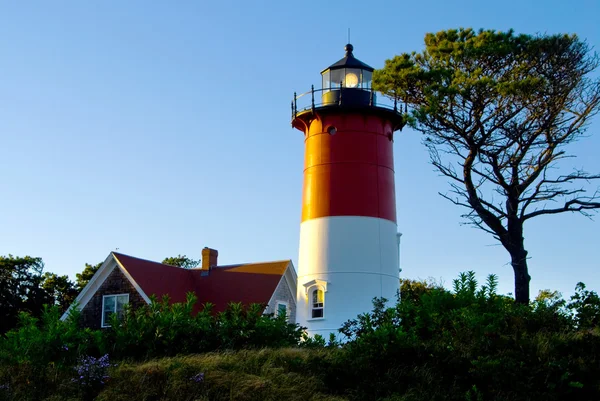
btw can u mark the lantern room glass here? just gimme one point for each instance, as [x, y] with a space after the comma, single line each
[354, 78]
[367, 78]
[326, 81]
[337, 77]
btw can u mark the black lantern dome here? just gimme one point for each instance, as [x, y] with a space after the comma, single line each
[348, 72]
[350, 78]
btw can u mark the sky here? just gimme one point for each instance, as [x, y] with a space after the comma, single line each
[159, 128]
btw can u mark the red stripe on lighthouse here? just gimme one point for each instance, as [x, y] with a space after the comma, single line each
[350, 173]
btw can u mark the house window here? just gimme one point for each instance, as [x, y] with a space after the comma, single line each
[113, 304]
[317, 303]
[282, 309]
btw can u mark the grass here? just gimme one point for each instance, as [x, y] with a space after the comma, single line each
[249, 375]
[564, 366]
[265, 375]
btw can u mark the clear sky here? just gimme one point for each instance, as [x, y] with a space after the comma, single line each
[158, 128]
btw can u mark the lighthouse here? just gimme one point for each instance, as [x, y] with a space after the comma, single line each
[348, 233]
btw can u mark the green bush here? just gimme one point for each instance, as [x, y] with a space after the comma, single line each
[38, 356]
[48, 340]
[163, 329]
[469, 343]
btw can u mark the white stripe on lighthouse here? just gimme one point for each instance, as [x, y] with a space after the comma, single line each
[358, 259]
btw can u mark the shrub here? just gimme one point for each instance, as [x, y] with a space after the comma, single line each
[164, 329]
[469, 343]
[48, 340]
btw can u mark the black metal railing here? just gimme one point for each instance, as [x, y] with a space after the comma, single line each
[302, 102]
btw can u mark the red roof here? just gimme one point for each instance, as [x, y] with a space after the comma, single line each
[245, 283]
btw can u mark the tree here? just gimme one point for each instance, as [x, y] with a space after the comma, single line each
[414, 289]
[20, 289]
[181, 261]
[497, 111]
[83, 278]
[586, 306]
[60, 289]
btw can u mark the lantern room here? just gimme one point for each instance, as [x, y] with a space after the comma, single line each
[348, 72]
[348, 85]
[350, 79]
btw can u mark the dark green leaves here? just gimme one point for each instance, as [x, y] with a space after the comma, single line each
[181, 261]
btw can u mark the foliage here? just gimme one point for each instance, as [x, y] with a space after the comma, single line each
[497, 111]
[586, 306]
[40, 357]
[48, 340]
[468, 343]
[24, 287]
[413, 289]
[164, 329]
[83, 278]
[60, 289]
[318, 341]
[20, 289]
[37, 357]
[181, 261]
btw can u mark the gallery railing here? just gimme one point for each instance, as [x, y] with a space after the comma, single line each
[341, 96]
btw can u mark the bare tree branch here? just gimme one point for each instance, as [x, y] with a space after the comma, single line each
[574, 205]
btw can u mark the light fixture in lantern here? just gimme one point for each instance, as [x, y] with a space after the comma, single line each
[351, 80]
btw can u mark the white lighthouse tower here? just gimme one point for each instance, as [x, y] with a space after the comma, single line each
[348, 235]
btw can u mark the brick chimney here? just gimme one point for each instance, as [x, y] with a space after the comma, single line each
[209, 258]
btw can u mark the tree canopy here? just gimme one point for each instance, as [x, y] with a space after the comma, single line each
[497, 111]
[86, 275]
[20, 290]
[181, 261]
[60, 289]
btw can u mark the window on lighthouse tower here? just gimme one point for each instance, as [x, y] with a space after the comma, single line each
[318, 302]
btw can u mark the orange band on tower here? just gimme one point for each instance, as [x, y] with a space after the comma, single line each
[350, 173]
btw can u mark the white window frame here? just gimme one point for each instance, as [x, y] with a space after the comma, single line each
[103, 323]
[309, 288]
[287, 308]
[311, 304]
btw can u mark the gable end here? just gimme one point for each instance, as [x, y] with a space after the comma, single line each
[97, 281]
[115, 283]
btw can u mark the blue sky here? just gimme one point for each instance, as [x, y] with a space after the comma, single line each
[159, 128]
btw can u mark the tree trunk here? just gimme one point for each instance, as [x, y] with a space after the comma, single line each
[522, 278]
[515, 245]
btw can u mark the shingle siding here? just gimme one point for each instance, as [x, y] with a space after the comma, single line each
[115, 283]
[283, 293]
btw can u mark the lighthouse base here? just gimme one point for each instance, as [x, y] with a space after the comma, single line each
[352, 259]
